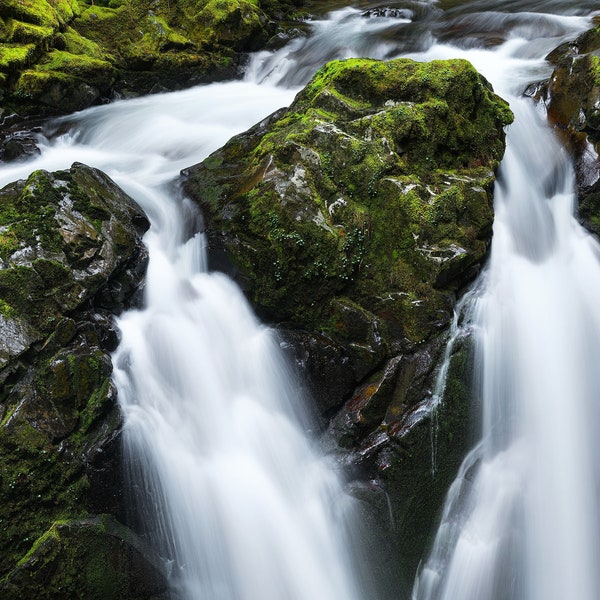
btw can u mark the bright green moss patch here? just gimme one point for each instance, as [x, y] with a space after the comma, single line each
[14, 57]
[92, 70]
[26, 33]
[38, 12]
[6, 310]
[77, 44]
[150, 43]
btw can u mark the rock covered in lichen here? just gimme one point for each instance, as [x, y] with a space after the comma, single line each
[70, 256]
[353, 219]
[367, 200]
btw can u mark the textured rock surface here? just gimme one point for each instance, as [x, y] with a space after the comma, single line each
[572, 99]
[58, 56]
[70, 255]
[360, 209]
[353, 219]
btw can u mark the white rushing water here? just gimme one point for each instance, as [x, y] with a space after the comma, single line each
[232, 492]
[521, 519]
[239, 503]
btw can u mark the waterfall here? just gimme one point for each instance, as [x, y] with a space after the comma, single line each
[237, 499]
[521, 519]
[236, 496]
[232, 492]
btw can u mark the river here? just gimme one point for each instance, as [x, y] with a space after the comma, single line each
[240, 502]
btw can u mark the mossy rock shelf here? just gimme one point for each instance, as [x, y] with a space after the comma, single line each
[59, 56]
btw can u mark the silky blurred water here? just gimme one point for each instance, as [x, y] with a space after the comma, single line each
[233, 493]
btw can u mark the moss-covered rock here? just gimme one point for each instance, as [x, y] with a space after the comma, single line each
[57, 56]
[45, 13]
[63, 236]
[572, 98]
[90, 558]
[368, 200]
[353, 219]
[70, 254]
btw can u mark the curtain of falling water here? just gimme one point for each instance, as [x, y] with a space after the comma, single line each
[521, 520]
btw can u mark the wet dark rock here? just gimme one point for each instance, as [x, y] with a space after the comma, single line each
[21, 144]
[332, 378]
[572, 99]
[86, 558]
[352, 220]
[388, 12]
[71, 256]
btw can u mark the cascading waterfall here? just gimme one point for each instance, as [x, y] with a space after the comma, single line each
[238, 502]
[233, 495]
[239, 499]
[225, 479]
[521, 519]
[227, 486]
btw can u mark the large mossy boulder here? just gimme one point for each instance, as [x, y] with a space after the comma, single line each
[70, 256]
[58, 56]
[368, 199]
[572, 98]
[354, 219]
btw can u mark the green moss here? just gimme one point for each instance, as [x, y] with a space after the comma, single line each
[37, 12]
[373, 185]
[14, 57]
[47, 13]
[32, 84]
[65, 9]
[594, 70]
[6, 310]
[77, 44]
[27, 33]
[89, 69]
[98, 404]
[95, 558]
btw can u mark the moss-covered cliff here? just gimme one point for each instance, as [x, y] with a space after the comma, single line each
[70, 256]
[58, 56]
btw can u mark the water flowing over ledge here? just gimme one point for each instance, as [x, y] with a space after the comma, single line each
[520, 520]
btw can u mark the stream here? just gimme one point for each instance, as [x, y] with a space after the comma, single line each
[238, 500]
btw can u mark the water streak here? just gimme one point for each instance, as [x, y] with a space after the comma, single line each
[520, 520]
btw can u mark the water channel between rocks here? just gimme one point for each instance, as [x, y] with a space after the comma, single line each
[243, 505]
